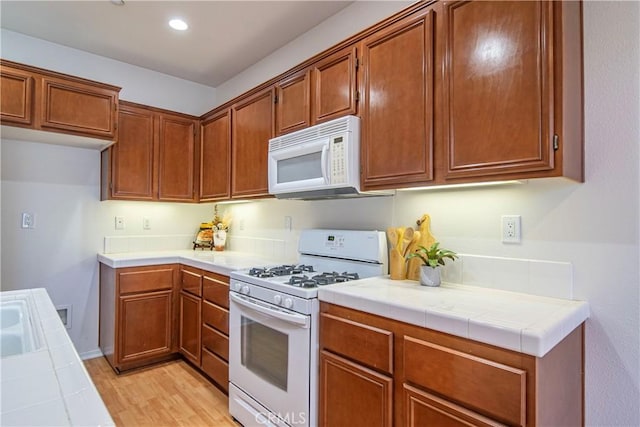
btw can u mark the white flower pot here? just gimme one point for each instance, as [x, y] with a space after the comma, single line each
[429, 276]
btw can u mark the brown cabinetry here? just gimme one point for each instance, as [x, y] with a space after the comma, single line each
[397, 104]
[293, 111]
[137, 314]
[44, 100]
[154, 158]
[215, 157]
[204, 322]
[402, 374]
[253, 126]
[499, 99]
[334, 91]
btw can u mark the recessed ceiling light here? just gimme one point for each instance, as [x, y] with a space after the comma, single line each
[118, 2]
[178, 24]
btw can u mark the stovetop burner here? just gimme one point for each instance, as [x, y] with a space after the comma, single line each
[321, 279]
[280, 270]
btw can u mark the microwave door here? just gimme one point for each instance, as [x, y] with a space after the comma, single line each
[299, 167]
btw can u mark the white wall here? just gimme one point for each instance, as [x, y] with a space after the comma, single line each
[138, 84]
[61, 186]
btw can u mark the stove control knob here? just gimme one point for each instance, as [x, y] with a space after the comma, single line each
[288, 302]
[245, 290]
[277, 299]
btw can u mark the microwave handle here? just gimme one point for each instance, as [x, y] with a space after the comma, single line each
[323, 163]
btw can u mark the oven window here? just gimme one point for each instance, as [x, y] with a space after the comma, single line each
[265, 352]
[307, 166]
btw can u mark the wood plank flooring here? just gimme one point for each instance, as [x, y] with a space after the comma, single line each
[168, 394]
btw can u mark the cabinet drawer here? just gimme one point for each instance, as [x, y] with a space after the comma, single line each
[145, 280]
[483, 385]
[216, 317]
[216, 289]
[191, 281]
[216, 368]
[215, 342]
[366, 344]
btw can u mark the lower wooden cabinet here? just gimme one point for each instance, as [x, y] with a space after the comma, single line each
[137, 314]
[204, 322]
[353, 395]
[405, 375]
[190, 327]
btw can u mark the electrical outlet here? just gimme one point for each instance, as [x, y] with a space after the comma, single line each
[241, 224]
[511, 229]
[287, 223]
[28, 220]
[119, 223]
[146, 223]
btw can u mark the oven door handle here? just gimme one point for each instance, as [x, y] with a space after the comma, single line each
[294, 318]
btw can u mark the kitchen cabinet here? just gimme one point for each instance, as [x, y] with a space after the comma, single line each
[155, 156]
[190, 313]
[137, 314]
[293, 111]
[502, 88]
[407, 375]
[16, 96]
[45, 100]
[215, 328]
[357, 360]
[252, 127]
[215, 157]
[204, 322]
[334, 90]
[397, 99]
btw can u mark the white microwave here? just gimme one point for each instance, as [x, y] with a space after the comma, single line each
[321, 161]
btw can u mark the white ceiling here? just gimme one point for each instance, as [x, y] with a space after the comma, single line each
[224, 37]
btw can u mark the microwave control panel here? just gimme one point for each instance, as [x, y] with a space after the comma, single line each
[338, 160]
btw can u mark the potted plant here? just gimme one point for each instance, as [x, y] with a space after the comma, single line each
[220, 228]
[432, 258]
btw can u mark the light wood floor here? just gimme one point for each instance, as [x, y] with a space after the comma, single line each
[168, 394]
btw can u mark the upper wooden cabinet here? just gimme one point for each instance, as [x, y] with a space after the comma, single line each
[154, 158]
[333, 90]
[293, 110]
[16, 96]
[215, 157]
[501, 70]
[397, 104]
[176, 157]
[253, 126]
[44, 100]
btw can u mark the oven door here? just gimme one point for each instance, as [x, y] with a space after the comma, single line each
[269, 357]
[299, 167]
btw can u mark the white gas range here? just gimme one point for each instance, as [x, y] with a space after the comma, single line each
[273, 333]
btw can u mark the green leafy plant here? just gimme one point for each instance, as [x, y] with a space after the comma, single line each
[434, 256]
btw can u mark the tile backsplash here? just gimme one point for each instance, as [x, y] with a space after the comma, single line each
[537, 277]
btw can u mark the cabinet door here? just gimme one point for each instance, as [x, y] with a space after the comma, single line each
[16, 96]
[176, 159]
[498, 87]
[252, 128]
[190, 327]
[293, 111]
[132, 157]
[397, 104]
[78, 108]
[424, 409]
[215, 157]
[352, 395]
[334, 85]
[145, 325]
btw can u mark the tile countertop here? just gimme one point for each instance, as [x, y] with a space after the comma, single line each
[48, 386]
[223, 262]
[521, 322]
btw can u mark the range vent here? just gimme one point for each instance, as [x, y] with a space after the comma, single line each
[324, 130]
